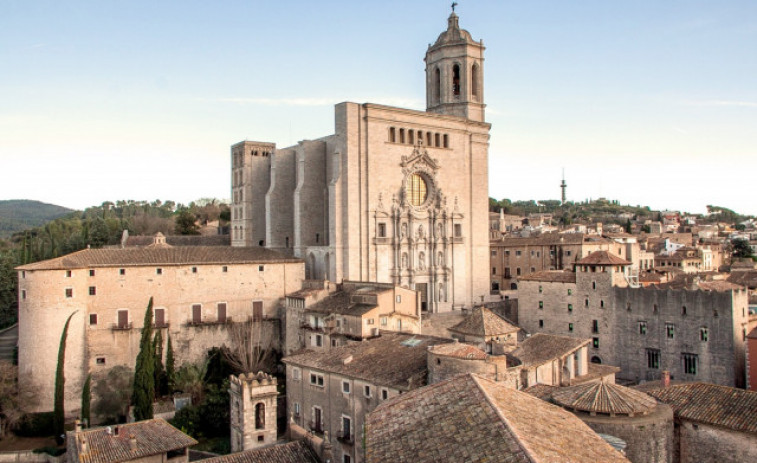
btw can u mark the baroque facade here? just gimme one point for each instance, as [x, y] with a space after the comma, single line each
[393, 196]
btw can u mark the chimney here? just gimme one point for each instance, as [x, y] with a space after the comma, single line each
[665, 379]
[132, 442]
[83, 446]
[77, 426]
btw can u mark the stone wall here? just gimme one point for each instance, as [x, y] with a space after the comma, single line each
[702, 443]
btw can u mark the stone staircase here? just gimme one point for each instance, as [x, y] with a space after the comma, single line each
[8, 341]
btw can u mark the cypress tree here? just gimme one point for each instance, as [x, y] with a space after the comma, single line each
[159, 371]
[143, 392]
[170, 366]
[86, 400]
[60, 383]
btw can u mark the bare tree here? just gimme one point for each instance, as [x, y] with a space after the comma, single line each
[10, 403]
[251, 347]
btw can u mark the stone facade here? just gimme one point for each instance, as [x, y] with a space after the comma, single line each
[108, 291]
[696, 334]
[704, 443]
[253, 411]
[393, 196]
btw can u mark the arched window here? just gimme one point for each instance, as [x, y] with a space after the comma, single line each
[513, 286]
[392, 135]
[596, 359]
[260, 415]
[456, 80]
[474, 80]
[437, 86]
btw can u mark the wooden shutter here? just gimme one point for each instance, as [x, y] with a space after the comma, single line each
[221, 312]
[196, 313]
[160, 317]
[123, 319]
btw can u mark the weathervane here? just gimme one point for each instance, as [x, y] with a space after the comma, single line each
[454, 4]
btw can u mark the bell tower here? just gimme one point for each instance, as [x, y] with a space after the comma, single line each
[455, 73]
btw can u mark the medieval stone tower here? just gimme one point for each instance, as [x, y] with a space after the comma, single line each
[455, 74]
[253, 411]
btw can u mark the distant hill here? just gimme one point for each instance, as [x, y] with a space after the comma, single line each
[21, 214]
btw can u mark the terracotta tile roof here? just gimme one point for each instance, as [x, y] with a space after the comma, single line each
[341, 303]
[724, 406]
[459, 350]
[541, 391]
[153, 437]
[602, 258]
[545, 239]
[692, 282]
[541, 348]
[483, 322]
[746, 278]
[472, 419]
[553, 276]
[604, 398]
[396, 360]
[291, 452]
[595, 371]
[181, 240]
[180, 255]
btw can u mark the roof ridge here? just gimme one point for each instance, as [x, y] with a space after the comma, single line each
[507, 423]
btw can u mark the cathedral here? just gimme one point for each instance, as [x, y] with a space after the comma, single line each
[394, 195]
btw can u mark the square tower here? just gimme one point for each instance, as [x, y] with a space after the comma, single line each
[253, 411]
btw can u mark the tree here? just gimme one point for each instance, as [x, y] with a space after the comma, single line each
[86, 400]
[10, 407]
[186, 223]
[143, 391]
[628, 226]
[159, 371]
[59, 418]
[113, 393]
[741, 248]
[190, 379]
[251, 347]
[170, 367]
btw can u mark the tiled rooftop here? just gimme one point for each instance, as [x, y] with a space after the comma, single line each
[292, 452]
[472, 419]
[153, 437]
[340, 303]
[396, 360]
[604, 398]
[484, 322]
[459, 350]
[724, 406]
[602, 258]
[180, 255]
[553, 276]
[541, 348]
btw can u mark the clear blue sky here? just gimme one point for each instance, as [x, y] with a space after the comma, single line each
[644, 101]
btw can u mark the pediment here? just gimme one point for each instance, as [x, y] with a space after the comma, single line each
[419, 158]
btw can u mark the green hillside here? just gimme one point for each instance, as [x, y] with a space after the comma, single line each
[22, 214]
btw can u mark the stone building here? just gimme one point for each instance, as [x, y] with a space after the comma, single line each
[394, 195]
[252, 411]
[470, 418]
[198, 293]
[697, 333]
[149, 441]
[714, 424]
[332, 391]
[350, 312]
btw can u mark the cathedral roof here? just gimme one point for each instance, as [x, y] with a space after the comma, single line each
[470, 418]
[453, 34]
[604, 398]
[483, 322]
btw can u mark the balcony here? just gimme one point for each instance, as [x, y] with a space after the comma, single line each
[345, 437]
[225, 321]
[121, 326]
[161, 325]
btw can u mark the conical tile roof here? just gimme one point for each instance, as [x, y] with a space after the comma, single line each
[604, 398]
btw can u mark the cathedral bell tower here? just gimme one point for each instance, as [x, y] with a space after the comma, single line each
[455, 73]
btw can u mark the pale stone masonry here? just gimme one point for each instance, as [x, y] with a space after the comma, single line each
[253, 411]
[393, 196]
[697, 333]
[197, 291]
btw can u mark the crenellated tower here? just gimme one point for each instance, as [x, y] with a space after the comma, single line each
[253, 411]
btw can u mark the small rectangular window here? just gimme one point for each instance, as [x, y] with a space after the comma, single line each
[23, 294]
[595, 343]
[642, 327]
[494, 253]
[570, 307]
[570, 327]
[367, 391]
[100, 360]
[704, 334]
[159, 271]
[384, 394]
[92, 291]
[595, 326]
[541, 304]
[68, 273]
[690, 363]
[93, 319]
[570, 291]
[398, 299]
[346, 387]
[122, 271]
[670, 330]
[296, 374]
[458, 230]
[384, 321]
[261, 268]
[541, 323]
[494, 270]
[69, 292]
[541, 289]
[194, 269]
[224, 269]
[316, 379]
[653, 359]
[91, 273]
[382, 230]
